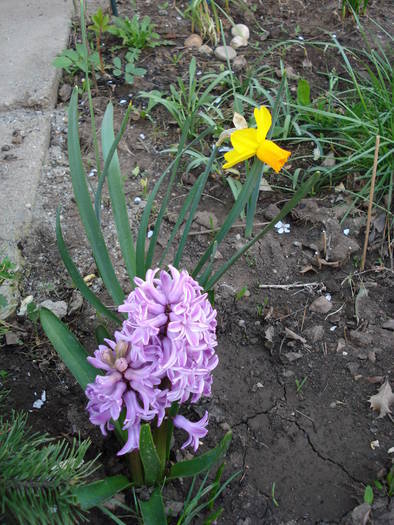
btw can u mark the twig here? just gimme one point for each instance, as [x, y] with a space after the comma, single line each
[214, 230]
[289, 286]
[371, 192]
[336, 311]
[302, 414]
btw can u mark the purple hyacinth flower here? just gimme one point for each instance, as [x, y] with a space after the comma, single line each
[163, 353]
[195, 430]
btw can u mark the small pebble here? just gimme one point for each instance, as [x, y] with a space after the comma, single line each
[123, 102]
[137, 200]
[149, 234]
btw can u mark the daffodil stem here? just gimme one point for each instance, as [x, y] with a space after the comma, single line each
[252, 204]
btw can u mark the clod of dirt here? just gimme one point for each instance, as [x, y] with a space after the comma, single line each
[239, 63]
[225, 53]
[361, 338]
[205, 50]
[388, 325]
[193, 40]
[11, 338]
[360, 515]
[271, 212]
[76, 302]
[65, 92]
[206, 219]
[320, 305]
[59, 308]
[383, 400]
[314, 334]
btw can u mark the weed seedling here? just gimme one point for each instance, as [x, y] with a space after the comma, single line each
[135, 33]
[100, 25]
[274, 500]
[300, 384]
[241, 293]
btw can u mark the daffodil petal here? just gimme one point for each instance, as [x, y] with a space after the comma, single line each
[263, 121]
[245, 140]
[272, 155]
[234, 157]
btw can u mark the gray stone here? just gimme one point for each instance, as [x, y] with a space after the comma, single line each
[206, 219]
[225, 53]
[59, 308]
[76, 302]
[271, 212]
[360, 515]
[321, 305]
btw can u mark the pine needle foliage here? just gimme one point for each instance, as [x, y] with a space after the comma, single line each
[38, 475]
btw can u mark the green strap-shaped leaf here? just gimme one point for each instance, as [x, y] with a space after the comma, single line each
[68, 347]
[201, 463]
[149, 456]
[85, 207]
[94, 494]
[77, 277]
[101, 333]
[116, 192]
[153, 512]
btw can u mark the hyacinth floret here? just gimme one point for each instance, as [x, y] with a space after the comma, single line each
[164, 353]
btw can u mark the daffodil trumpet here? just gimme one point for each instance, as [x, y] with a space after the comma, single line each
[252, 142]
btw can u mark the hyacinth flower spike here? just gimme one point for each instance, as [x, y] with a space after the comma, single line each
[250, 142]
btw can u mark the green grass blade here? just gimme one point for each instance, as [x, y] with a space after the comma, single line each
[85, 207]
[303, 190]
[68, 347]
[77, 277]
[115, 186]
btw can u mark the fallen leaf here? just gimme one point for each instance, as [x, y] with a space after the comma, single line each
[383, 399]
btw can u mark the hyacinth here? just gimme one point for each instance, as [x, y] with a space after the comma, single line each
[165, 352]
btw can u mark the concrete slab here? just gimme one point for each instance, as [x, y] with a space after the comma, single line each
[32, 33]
[24, 139]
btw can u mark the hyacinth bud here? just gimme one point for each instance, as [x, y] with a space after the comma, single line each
[107, 357]
[121, 348]
[121, 364]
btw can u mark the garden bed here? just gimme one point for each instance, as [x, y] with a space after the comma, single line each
[295, 375]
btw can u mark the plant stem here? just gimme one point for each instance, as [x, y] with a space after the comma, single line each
[371, 192]
[160, 440]
[98, 45]
[251, 207]
[135, 467]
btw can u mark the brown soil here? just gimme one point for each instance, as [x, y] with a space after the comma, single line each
[314, 444]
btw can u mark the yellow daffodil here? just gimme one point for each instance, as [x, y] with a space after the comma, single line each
[249, 142]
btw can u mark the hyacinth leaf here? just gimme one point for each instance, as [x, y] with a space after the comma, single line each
[115, 187]
[164, 204]
[303, 190]
[153, 511]
[77, 277]
[174, 409]
[192, 467]
[193, 208]
[85, 207]
[149, 457]
[101, 333]
[68, 347]
[235, 211]
[96, 493]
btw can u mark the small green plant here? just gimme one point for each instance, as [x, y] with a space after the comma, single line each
[241, 293]
[130, 70]
[99, 26]
[368, 495]
[135, 33]
[300, 384]
[73, 60]
[354, 6]
[274, 500]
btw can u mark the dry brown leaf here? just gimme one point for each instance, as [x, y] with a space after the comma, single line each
[383, 400]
